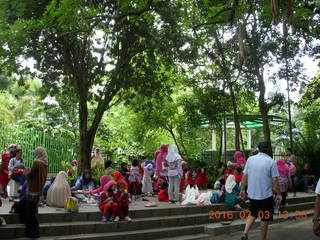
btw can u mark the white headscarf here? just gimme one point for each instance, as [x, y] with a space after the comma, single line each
[173, 154]
[230, 183]
[59, 191]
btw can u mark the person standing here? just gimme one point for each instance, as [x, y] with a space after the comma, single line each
[292, 162]
[315, 220]
[260, 174]
[16, 167]
[36, 179]
[174, 173]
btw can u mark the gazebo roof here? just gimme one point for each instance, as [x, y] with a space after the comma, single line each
[250, 120]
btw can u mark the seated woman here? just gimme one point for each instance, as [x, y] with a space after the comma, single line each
[84, 184]
[59, 191]
[46, 188]
[232, 197]
[16, 167]
[307, 177]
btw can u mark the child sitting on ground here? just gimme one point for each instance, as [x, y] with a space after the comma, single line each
[163, 192]
[107, 203]
[199, 178]
[124, 200]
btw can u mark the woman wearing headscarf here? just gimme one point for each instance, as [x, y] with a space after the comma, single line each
[85, 183]
[240, 160]
[117, 176]
[103, 181]
[33, 190]
[59, 191]
[161, 162]
[174, 173]
[232, 197]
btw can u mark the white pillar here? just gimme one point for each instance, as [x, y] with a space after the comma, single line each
[249, 145]
[214, 141]
[223, 146]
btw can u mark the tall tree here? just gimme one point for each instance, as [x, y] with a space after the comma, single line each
[98, 48]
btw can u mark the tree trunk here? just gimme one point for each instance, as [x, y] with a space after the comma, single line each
[236, 120]
[85, 140]
[264, 113]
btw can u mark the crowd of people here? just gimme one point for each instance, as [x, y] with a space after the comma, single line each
[167, 176]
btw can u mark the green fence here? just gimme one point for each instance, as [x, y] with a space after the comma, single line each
[58, 148]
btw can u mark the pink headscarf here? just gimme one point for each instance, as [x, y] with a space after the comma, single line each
[108, 185]
[103, 181]
[240, 161]
[282, 168]
[161, 157]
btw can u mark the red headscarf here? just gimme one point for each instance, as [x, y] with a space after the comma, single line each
[117, 176]
[161, 157]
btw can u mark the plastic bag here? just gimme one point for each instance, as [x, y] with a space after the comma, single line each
[190, 196]
[204, 198]
[71, 205]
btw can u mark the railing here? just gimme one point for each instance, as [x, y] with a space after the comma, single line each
[58, 148]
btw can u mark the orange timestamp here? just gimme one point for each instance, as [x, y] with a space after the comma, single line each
[302, 215]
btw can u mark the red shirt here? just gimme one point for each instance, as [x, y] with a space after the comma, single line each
[238, 177]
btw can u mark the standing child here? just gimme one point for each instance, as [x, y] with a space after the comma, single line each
[4, 174]
[205, 178]
[147, 180]
[189, 177]
[124, 201]
[134, 178]
[284, 179]
[107, 204]
[199, 178]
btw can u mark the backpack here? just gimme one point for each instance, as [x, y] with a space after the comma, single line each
[71, 205]
[214, 198]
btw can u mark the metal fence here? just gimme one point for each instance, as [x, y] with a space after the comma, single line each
[58, 148]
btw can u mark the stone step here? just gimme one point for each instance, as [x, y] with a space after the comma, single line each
[145, 234]
[94, 226]
[202, 236]
[63, 216]
[216, 229]
[134, 214]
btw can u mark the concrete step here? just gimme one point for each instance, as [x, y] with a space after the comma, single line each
[145, 234]
[63, 216]
[216, 229]
[94, 226]
[134, 214]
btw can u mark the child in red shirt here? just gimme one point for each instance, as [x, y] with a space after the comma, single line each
[108, 202]
[205, 178]
[189, 177]
[124, 200]
[4, 174]
[229, 170]
[199, 178]
[238, 174]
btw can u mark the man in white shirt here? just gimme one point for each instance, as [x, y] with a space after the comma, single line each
[260, 175]
[315, 220]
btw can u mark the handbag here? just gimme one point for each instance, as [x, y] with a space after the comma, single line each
[71, 205]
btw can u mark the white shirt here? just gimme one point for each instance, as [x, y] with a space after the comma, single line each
[260, 169]
[318, 188]
[13, 163]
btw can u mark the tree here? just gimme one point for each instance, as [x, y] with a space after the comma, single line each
[100, 49]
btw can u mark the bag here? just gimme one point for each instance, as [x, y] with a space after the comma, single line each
[215, 198]
[32, 196]
[71, 205]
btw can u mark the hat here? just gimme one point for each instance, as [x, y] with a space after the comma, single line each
[6, 155]
[229, 163]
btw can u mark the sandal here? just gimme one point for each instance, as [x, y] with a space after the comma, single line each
[244, 236]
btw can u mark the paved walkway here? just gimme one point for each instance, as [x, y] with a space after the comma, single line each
[139, 204]
[292, 229]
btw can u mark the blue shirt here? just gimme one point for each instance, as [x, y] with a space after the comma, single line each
[260, 169]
